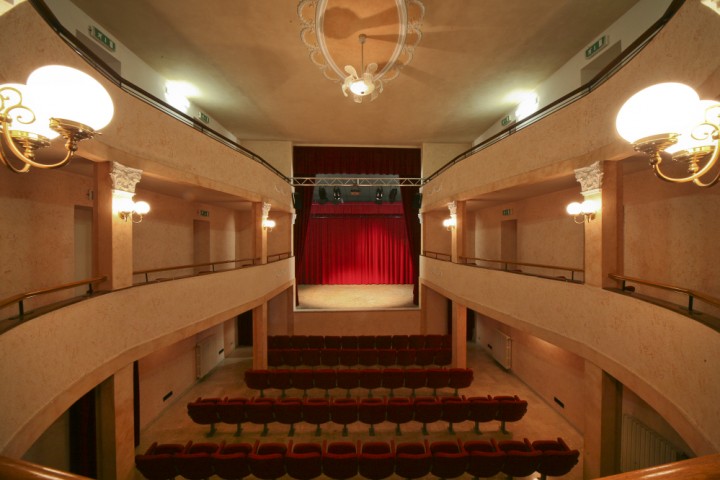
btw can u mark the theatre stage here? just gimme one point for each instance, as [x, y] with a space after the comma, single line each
[354, 296]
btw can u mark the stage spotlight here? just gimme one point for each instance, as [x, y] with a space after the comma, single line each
[393, 195]
[378, 195]
[337, 195]
[323, 195]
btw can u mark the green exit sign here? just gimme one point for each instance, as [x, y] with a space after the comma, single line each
[204, 213]
[507, 211]
[506, 120]
[102, 38]
[599, 44]
[203, 117]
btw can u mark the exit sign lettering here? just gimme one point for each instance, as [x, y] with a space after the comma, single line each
[102, 38]
[599, 44]
[507, 211]
[204, 213]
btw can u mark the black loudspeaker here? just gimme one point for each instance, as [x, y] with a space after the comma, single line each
[297, 201]
[417, 202]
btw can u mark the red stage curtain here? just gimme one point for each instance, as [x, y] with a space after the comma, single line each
[356, 250]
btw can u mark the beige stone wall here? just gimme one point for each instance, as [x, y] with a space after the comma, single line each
[35, 257]
[436, 155]
[277, 153]
[91, 340]
[669, 360]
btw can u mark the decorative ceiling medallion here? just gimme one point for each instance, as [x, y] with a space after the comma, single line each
[330, 33]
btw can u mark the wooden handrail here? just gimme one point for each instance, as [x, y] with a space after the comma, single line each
[11, 468]
[692, 294]
[525, 264]
[21, 297]
[279, 256]
[435, 255]
[195, 265]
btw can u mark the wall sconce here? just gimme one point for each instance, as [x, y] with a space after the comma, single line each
[670, 120]
[451, 223]
[583, 212]
[266, 223]
[127, 209]
[56, 101]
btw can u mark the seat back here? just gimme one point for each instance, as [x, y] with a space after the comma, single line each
[267, 462]
[376, 460]
[412, 459]
[303, 461]
[230, 461]
[449, 459]
[340, 460]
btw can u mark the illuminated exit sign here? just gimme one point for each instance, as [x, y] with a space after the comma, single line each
[507, 212]
[599, 44]
[98, 35]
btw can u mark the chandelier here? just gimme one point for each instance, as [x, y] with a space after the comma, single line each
[362, 86]
[56, 101]
[668, 120]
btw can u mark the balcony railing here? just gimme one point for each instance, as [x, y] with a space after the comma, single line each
[513, 267]
[20, 298]
[198, 269]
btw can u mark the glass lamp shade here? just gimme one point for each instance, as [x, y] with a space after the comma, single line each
[123, 203]
[142, 207]
[702, 133]
[574, 208]
[589, 206]
[267, 223]
[362, 86]
[665, 108]
[70, 94]
[19, 116]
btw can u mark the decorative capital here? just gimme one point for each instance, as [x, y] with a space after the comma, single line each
[266, 210]
[590, 177]
[124, 178]
[452, 206]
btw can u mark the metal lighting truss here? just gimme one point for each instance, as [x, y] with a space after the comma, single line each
[356, 182]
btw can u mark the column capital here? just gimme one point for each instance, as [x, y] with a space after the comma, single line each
[590, 178]
[124, 178]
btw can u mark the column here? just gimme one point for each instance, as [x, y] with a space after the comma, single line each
[602, 182]
[113, 235]
[260, 330]
[459, 335]
[116, 432]
[603, 417]
[260, 212]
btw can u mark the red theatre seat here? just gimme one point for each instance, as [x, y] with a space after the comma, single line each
[340, 460]
[460, 378]
[288, 411]
[370, 379]
[302, 379]
[383, 342]
[400, 342]
[157, 463]
[366, 342]
[231, 462]
[368, 357]
[260, 411]
[299, 341]
[267, 461]
[195, 462]
[399, 411]
[416, 342]
[280, 379]
[521, 459]
[311, 357]
[485, 459]
[316, 411]
[393, 378]
[413, 459]
[454, 410]
[344, 411]
[557, 458]
[316, 342]
[415, 378]
[330, 357]
[427, 410]
[481, 410]
[325, 379]
[332, 341]
[232, 412]
[349, 342]
[257, 380]
[349, 357]
[203, 411]
[387, 357]
[510, 409]
[303, 461]
[348, 379]
[376, 460]
[449, 459]
[437, 378]
[372, 411]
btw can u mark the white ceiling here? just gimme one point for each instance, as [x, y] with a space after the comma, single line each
[256, 78]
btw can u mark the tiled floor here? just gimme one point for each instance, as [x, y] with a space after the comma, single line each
[540, 422]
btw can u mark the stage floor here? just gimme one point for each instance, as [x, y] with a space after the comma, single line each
[355, 296]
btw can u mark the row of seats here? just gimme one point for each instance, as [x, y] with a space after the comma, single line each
[368, 378]
[342, 460]
[344, 411]
[350, 357]
[397, 342]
